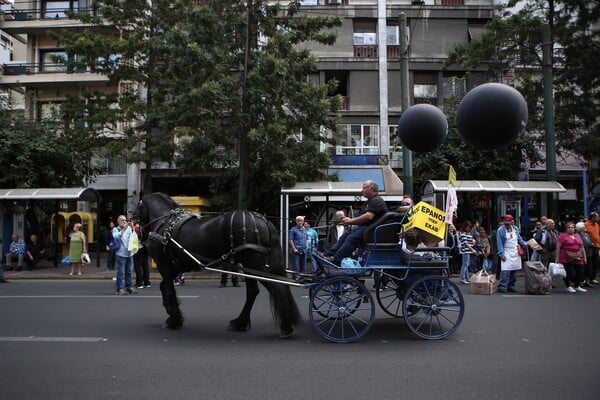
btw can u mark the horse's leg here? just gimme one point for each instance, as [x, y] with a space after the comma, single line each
[242, 322]
[285, 309]
[171, 303]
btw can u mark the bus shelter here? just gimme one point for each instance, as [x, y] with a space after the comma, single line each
[57, 195]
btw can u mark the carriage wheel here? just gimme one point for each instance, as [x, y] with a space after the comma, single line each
[390, 293]
[433, 307]
[341, 309]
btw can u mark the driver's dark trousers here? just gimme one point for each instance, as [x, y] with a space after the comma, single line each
[351, 242]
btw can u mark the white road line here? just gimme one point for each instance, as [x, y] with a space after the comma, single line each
[62, 296]
[52, 339]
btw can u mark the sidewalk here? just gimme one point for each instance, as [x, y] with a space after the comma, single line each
[46, 270]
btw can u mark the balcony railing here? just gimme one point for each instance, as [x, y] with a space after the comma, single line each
[43, 14]
[371, 51]
[34, 68]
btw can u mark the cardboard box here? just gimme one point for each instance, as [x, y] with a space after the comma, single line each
[483, 283]
[483, 287]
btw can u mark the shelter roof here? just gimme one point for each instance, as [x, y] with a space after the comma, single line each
[84, 194]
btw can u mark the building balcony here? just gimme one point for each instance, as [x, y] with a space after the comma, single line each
[34, 74]
[17, 21]
[371, 51]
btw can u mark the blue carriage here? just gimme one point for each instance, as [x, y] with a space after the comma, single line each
[413, 285]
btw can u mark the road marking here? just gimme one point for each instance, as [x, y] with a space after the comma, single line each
[62, 296]
[529, 296]
[52, 339]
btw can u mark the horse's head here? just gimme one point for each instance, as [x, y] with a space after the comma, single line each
[153, 208]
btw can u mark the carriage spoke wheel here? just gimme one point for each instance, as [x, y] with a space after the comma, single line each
[341, 309]
[390, 293]
[433, 307]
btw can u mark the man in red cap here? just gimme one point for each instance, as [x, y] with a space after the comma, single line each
[507, 240]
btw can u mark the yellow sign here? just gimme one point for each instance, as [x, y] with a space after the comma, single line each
[427, 218]
[452, 176]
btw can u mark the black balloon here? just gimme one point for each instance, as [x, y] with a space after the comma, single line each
[491, 116]
[422, 128]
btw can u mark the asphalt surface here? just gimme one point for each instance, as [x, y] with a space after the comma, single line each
[74, 339]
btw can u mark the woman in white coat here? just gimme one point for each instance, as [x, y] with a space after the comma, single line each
[508, 240]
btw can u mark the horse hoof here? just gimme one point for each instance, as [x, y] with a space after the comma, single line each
[173, 324]
[286, 334]
[236, 327]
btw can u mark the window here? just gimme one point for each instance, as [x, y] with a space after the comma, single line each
[56, 9]
[357, 139]
[53, 61]
[392, 36]
[454, 87]
[364, 32]
[425, 88]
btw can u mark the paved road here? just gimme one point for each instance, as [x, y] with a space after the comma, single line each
[67, 339]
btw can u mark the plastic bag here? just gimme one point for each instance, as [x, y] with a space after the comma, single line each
[65, 261]
[557, 270]
[85, 258]
[134, 243]
[350, 263]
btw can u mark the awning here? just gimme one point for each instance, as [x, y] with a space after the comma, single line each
[83, 194]
[496, 187]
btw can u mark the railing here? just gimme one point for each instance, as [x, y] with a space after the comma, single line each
[34, 68]
[43, 14]
[371, 51]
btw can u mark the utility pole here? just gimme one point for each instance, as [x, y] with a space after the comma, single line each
[405, 103]
[549, 116]
[243, 167]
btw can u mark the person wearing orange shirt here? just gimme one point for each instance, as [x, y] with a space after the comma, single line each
[592, 225]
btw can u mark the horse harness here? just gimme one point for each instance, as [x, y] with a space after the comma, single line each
[179, 217]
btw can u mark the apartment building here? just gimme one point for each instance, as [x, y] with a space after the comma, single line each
[364, 60]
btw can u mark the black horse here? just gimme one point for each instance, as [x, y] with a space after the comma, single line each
[229, 241]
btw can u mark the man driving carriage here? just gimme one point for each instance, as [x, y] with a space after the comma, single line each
[370, 212]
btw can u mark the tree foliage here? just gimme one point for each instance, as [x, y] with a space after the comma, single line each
[40, 154]
[212, 77]
[513, 45]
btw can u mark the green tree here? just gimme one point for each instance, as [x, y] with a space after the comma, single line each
[40, 153]
[513, 44]
[215, 76]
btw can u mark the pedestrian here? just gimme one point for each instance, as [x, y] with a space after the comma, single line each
[140, 260]
[111, 256]
[335, 231]
[77, 246]
[297, 240]
[546, 238]
[312, 241]
[571, 253]
[486, 249]
[370, 212]
[592, 226]
[16, 250]
[508, 240]
[123, 232]
[467, 250]
[587, 245]
[35, 252]
[405, 205]
[234, 280]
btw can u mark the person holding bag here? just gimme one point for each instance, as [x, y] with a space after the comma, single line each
[571, 253]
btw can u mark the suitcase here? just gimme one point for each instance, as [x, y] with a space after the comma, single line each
[537, 278]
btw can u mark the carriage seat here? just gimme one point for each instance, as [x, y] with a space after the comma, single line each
[427, 257]
[384, 233]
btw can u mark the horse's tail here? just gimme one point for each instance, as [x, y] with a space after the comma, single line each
[283, 304]
[284, 307]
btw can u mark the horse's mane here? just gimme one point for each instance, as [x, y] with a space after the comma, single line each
[166, 198]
